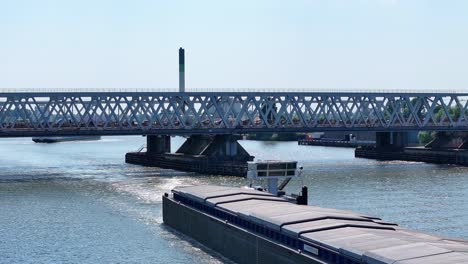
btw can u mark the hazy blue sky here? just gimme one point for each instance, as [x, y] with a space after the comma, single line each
[382, 44]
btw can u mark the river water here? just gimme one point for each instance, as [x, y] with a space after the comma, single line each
[78, 202]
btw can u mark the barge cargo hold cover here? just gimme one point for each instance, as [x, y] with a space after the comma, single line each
[249, 226]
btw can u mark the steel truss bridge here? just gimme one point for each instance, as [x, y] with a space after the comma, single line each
[172, 113]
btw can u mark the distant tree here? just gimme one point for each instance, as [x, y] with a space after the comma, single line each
[425, 137]
[454, 113]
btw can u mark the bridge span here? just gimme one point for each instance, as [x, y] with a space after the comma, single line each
[173, 113]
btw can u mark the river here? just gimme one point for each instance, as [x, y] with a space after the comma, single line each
[78, 202]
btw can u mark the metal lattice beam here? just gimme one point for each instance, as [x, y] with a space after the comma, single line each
[124, 113]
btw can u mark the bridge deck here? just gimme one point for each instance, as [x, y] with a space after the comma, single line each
[136, 113]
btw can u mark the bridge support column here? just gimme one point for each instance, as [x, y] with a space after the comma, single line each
[158, 144]
[446, 148]
[226, 146]
[388, 146]
[219, 154]
[391, 140]
[449, 140]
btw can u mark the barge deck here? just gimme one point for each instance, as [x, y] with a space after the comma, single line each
[249, 226]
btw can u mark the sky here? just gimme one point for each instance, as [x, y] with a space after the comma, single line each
[242, 44]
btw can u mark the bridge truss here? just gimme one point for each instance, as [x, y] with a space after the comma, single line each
[125, 113]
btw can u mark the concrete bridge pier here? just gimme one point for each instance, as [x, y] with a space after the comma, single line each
[446, 148]
[219, 154]
[159, 144]
[219, 147]
[449, 140]
[391, 140]
[388, 146]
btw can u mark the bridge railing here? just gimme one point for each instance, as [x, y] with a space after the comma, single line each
[230, 90]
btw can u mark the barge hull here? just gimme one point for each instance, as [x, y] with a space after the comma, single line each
[334, 143]
[230, 241]
[249, 226]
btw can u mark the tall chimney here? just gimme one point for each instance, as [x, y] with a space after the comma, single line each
[181, 70]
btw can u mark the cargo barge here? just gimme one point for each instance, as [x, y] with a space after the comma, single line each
[64, 139]
[251, 226]
[334, 143]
